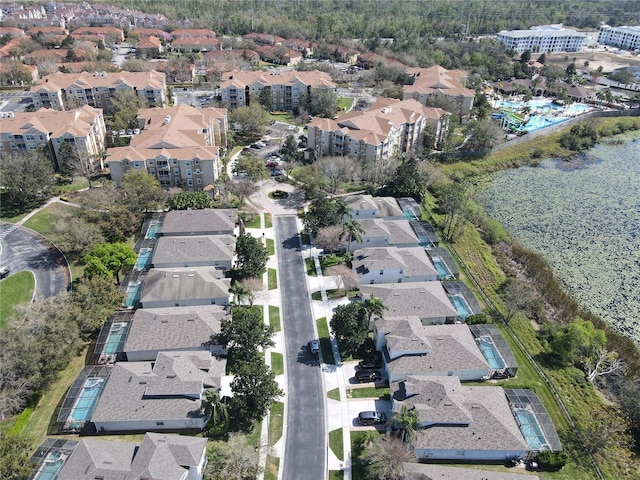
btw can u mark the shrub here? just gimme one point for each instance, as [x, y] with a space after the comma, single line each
[552, 460]
[477, 319]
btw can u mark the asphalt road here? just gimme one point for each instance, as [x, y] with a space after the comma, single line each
[26, 250]
[305, 444]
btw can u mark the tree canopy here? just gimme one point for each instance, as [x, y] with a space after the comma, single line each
[26, 177]
[191, 201]
[246, 332]
[124, 108]
[109, 260]
[350, 326]
[142, 192]
[252, 167]
[252, 256]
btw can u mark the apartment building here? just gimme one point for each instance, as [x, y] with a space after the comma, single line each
[237, 89]
[426, 83]
[180, 146]
[82, 128]
[624, 37]
[388, 127]
[543, 38]
[61, 91]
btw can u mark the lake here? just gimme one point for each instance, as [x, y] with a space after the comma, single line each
[583, 217]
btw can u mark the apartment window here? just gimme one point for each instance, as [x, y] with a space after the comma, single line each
[190, 182]
[176, 171]
[381, 272]
[136, 164]
[151, 162]
[159, 423]
[197, 162]
[30, 138]
[198, 171]
[58, 141]
[174, 161]
[152, 171]
[188, 164]
[188, 172]
[198, 181]
[32, 146]
[41, 137]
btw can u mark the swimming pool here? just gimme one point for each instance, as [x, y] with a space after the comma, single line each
[441, 268]
[461, 306]
[144, 259]
[536, 122]
[49, 470]
[409, 214]
[490, 353]
[116, 338]
[152, 230]
[531, 430]
[86, 402]
[133, 294]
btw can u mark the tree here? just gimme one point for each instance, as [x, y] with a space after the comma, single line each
[452, 200]
[602, 363]
[311, 180]
[234, 459]
[249, 122]
[265, 98]
[75, 236]
[179, 69]
[15, 461]
[109, 260]
[329, 238]
[254, 388]
[350, 326]
[124, 108]
[142, 192]
[607, 429]
[343, 277]
[191, 201]
[322, 212]
[241, 187]
[15, 73]
[577, 341]
[481, 135]
[385, 457]
[26, 177]
[338, 170]
[289, 149]
[353, 231]
[94, 300]
[252, 167]
[408, 181]
[320, 102]
[252, 256]
[374, 306]
[245, 333]
[216, 410]
[519, 297]
[407, 422]
[253, 285]
[239, 291]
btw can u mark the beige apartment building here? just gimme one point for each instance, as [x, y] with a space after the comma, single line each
[239, 88]
[180, 146]
[389, 126]
[83, 128]
[426, 83]
[61, 91]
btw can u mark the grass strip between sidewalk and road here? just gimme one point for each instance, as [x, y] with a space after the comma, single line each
[277, 365]
[272, 279]
[274, 318]
[335, 443]
[271, 468]
[271, 248]
[325, 341]
[276, 422]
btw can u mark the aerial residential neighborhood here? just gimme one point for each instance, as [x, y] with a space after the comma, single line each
[255, 247]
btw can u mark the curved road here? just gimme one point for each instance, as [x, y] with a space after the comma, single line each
[305, 446]
[23, 249]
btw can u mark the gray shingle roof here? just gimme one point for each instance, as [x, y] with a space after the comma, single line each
[447, 347]
[174, 328]
[166, 457]
[98, 458]
[425, 471]
[199, 222]
[383, 206]
[491, 424]
[413, 260]
[399, 232]
[422, 299]
[196, 283]
[125, 394]
[201, 248]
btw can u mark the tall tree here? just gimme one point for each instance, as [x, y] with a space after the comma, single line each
[452, 200]
[350, 326]
[26, 178]
[245, 333]
[374, 307]
[251, 255]
[249, 122]
[124, 108]
[385, 457]
[252, 167]
[353, 231]
[142, 192]
[407, 422]
[320, 102]
[329, 238]
[217, 412]
[109, 260]
[322, 212]
[408, 180]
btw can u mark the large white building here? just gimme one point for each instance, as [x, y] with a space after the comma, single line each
[622, 37]
[543, 38]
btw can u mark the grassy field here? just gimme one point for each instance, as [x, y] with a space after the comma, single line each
[42, 222]
[272, 279]
[277, 364]
[252, 221]
[274, 318]
[15, 290]
[335, 443]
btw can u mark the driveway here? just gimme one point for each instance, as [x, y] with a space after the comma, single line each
[23, 249]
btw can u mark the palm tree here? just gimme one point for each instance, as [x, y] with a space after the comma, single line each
[353, 231]
[407, 422]
[240, 292]
[343, 210]
[374, 306]
[217, 412]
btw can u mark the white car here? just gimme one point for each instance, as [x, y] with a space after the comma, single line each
[292, 127]
[136, 131]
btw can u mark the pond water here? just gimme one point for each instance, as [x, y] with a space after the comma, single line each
[583, 217]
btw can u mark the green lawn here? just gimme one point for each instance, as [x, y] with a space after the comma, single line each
[274, 318]
[272, 279]
[331, 293]
[334, 394]
[16, 289]
[344, 103]
[311, 267]
[271, 468]
[11, 213]
[276, 421]
[277, 364]
[382, 393]
[336, 475]
[271, 248]
[251, 221]
[78, 183]
[325, 341]
[335, 443]
[42, 222]
[268, 222]
[328, 261]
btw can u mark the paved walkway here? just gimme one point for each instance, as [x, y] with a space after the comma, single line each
[339, 414]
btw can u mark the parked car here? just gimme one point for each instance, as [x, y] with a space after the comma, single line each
[365, 376]
[276, 172]
[256, 145]
[136, 131]
[122, 132]
[130, 131]
[271, 164]
[4, 271]
[314, 347]
[372, 418]
[370, 364]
